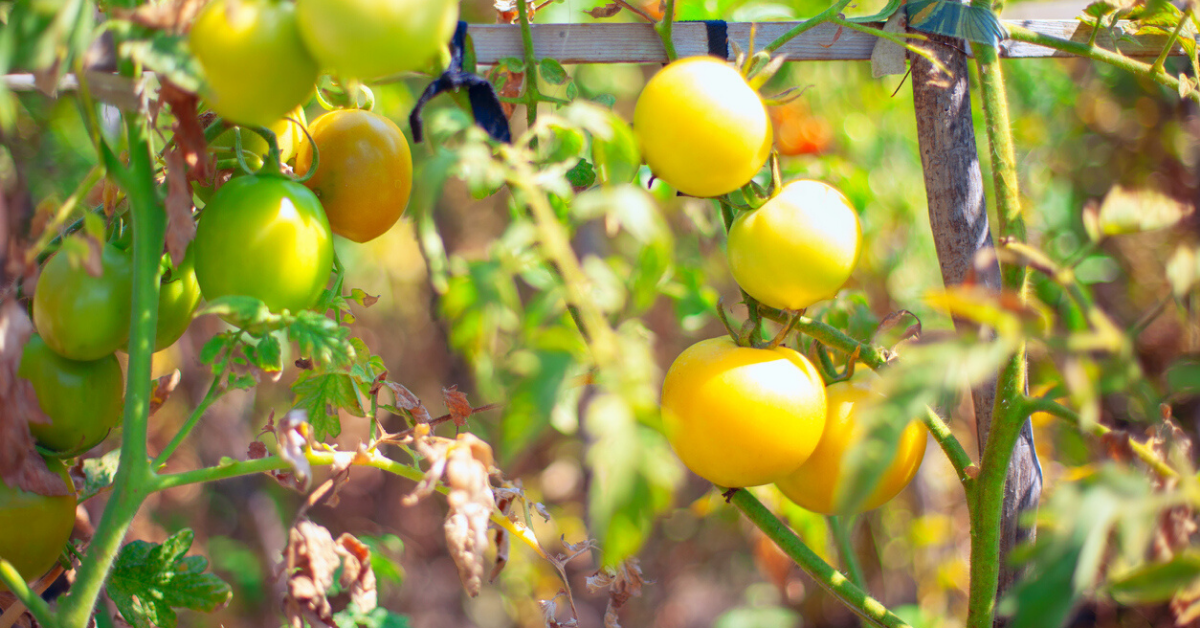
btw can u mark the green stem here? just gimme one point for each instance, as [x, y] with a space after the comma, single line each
[210, 397]
[823, 16]
[953, 449]
[32, 601]
[843, 530]
[898, 39]
[531, 67]
[835, 582]
[1144, 453]
[1157, 66]
[1116, 59]
[134, 476]
[871, 355]
[664, 28]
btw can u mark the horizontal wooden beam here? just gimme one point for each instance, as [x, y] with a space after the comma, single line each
[602, 42]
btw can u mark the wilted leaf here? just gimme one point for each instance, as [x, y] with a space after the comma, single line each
[1126, 211]
[95, 474]
[456, 402]
[602, 12]
[149, 581]
[292, 436]
[163, 387]
[181, 225]
[312, 559]
[18, 403]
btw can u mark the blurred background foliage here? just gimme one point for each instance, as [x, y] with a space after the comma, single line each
[479, 318]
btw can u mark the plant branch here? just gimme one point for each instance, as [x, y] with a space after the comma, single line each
[663, 28]
[531, 68]
[959, 459]
[210, 397]
[795, 31]
[835, 582]
[872, 355]
[1147, 455]
[843, 530]
[32, 601]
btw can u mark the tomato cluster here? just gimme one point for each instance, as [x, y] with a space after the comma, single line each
[744, 416]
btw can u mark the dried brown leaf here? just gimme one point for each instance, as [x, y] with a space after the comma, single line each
[311, 558]
[357, 577]
[1186, 605]
[189, 131]
[173, 15]
[408, 401]
[1116, 445]
[256, 450]
[163, 387]
[292, 436]
[181, 224]
[456, 402]
[34, 476]
[607, 10]
[18, 403]
[623, 582]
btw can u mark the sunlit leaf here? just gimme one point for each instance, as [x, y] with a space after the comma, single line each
[149, 581]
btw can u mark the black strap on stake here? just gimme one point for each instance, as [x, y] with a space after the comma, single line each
[718, 38]
[485, 106]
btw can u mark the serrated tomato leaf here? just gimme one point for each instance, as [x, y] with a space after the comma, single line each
[149, 581]
[322, 395]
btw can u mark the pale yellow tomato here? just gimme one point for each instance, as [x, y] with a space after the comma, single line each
[739, 416]
[702, 128]
[814, 485]
[798, 248]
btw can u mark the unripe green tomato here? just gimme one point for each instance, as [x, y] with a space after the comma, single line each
[82, 399]
[178, 297]
[82, 317]
[370, 39]
[739, 416]
[798, 248]
[814, 485]
[702, 128]
[34, 528]
[265, 237]
[257, 68]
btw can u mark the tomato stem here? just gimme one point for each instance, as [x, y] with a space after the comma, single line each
[835, 582]
[664, 27]
[32, 601]
[959, 459]
[843, 536]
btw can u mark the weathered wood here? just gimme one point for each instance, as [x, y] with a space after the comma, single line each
[602, 42]
[958, 217]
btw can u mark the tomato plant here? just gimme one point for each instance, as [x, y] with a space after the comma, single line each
[265, 237]
[82, 399]
[365, 173]
[256, 66]
[289, 134]
[82, 317]
[34, 528]
[798, 248]
[364, 39]
[702, 128]
[815, 484]
[740, 416]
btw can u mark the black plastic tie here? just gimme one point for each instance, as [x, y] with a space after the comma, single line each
[718, 38]
[485, 105]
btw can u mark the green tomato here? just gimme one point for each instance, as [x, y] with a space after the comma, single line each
[83, 317]
[369, 39]
[82, 399]
[178, 296]
[265, 237]
[256, 66]
[34, 528]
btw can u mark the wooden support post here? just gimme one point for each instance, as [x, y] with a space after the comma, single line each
[958, 217]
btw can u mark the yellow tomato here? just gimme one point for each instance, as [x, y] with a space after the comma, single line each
[814, 485]
[739, 416]
[798, 248]
[289, 136]
[701, 127]
[364, 175]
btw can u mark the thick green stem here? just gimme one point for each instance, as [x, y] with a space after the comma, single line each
[835, 582]
[953, 449]
[796, 30]
[1009, 413]
[869, 354]
[664, 30]
[134, 477]
[1116, 59]
[531, 67]
[26, 596]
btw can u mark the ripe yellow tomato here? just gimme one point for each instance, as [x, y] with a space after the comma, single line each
[256, 67]
[364, 175]
[369, 39]
[702, 128]
[814, 485]
[798, 248]
[739, 416]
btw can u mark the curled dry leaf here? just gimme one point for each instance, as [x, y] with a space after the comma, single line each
[311, 558]
[181, 225]
[607, 10]
[406, 400]
[18, 403]
[550, 613]
[623, 582]
[1116, 445]
[256, 450]
[514, 82]
[507, 11]
[357, 577]
[163, 387]
[456, 402]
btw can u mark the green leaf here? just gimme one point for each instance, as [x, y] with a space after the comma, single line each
[267, 354]
[582, 175]
[168, 56]
[512, 64]
[321, 339]
[214, 347]
[98, 473]
[385, 557]
[354, 617]
[1183, 377]
[553, 71]
[322, 395]
[242, 311]
[148, 581]
[1156, 582]
[540, 374]
[615, 150]
[605, 100]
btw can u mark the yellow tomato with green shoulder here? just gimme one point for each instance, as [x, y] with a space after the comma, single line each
[702, 128]
[814, 485]
[741, 416]
[799, 248]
